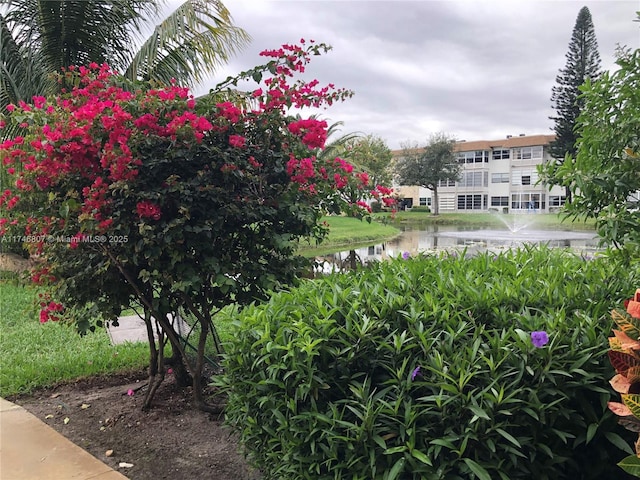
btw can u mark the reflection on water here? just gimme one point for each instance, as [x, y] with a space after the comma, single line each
[451, 238]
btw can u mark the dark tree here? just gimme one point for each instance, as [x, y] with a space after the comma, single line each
[430, 165]
[583, 62]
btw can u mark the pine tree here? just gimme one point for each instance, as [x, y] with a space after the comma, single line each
[583, 62]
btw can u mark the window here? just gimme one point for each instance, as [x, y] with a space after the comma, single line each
[519, 200]
[472, 179]
[499, 201]
[499, 178]
[536, 152]
[528, 153]
[524, 177]
[423, 201]
[479, 156]
[446, 202]
[471, 202]
[528, 201]
[500, 154]
[557, 200]
[446, 183]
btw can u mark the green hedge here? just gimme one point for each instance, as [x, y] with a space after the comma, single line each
[320, 378]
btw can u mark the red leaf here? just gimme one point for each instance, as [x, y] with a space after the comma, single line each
[622, 361]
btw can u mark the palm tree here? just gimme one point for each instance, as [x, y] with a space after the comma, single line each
[338, 146]
[38, 37]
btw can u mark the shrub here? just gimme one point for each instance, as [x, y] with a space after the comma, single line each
[145, 196]
[425, 368]
[421, 209]
[625, 357]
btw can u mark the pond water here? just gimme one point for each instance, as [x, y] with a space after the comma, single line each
[436, 238]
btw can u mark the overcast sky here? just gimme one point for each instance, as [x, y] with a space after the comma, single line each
[473, 69]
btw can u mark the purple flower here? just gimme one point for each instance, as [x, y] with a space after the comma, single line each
[539, 339]
[415, 373]
[406, 255]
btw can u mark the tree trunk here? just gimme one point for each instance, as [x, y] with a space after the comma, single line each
[353, 263]
[435, 204]
[156, 376]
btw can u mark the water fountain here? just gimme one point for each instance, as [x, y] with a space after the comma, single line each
[514, 223]
[518, 232]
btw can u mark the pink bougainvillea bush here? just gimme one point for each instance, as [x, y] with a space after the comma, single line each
[132, 193]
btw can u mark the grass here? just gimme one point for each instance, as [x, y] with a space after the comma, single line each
[35, 354]
[545, 220]
[346, 231]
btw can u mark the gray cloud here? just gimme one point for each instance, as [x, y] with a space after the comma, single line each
[474, 69]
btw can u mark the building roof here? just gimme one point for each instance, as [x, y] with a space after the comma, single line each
[508, 142]
[512, 142]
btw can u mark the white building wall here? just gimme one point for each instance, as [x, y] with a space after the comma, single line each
[498, 178]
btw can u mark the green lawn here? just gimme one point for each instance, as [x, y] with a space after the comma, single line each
[346, 231]
[35, 354]
[545, 220]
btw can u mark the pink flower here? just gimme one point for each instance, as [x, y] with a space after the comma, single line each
[254, 162]
[75, 241]
[237, 141]
[229, 111]
[363, 177]
[364, 205]
[43, 182]
[312, 132]
[147, 209]
[130, 392]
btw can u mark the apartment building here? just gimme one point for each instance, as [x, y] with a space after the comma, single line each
[496, 175]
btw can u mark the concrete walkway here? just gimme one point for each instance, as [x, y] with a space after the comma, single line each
[132, 328]
[31, 450]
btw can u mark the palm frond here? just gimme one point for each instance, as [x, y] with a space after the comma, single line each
[68, 32]
[337, 146]
[23, 73]
[188, 45]
[11, 65]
